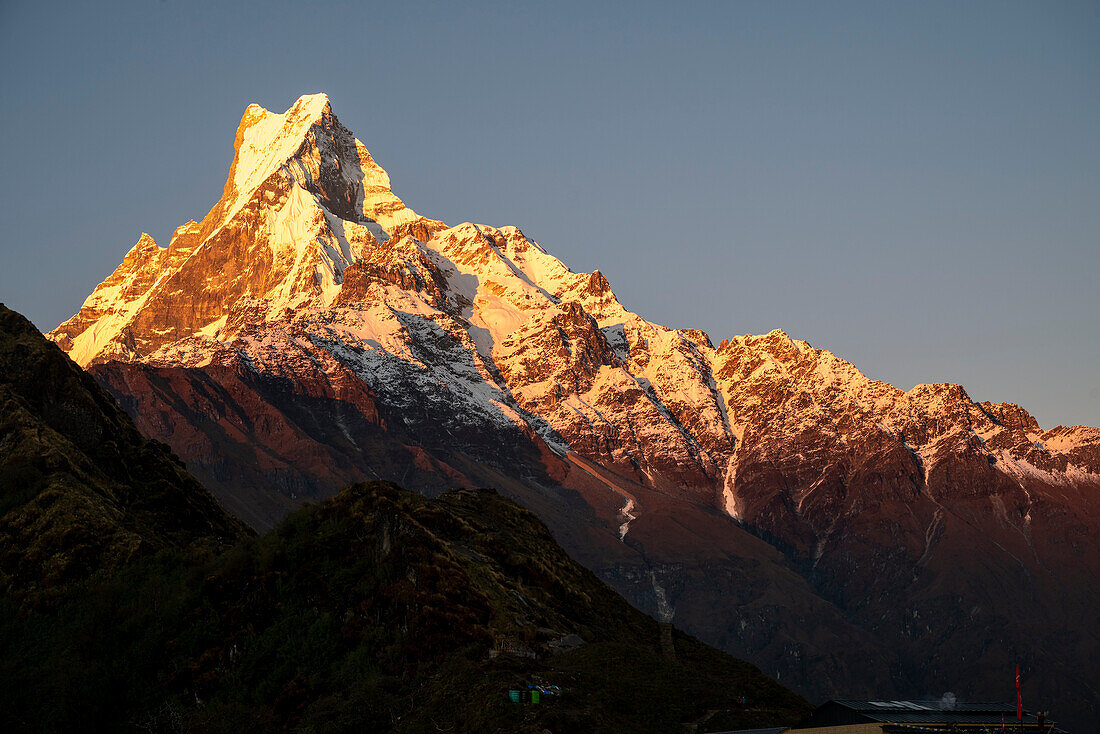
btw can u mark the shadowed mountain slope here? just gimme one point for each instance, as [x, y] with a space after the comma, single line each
[376, 610]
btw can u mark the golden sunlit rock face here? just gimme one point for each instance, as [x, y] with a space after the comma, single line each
[298, 208]
[329, 333]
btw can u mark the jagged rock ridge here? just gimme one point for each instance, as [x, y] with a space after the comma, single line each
[311, 314]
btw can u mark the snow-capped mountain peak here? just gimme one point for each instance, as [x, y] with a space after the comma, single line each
[267, 140]
[314, 325]
[303, 200]
[310, 258]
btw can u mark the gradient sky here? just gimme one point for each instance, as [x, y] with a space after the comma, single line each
[914, 186]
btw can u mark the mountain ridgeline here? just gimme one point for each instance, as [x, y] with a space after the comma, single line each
[133, 602]
[848, 537]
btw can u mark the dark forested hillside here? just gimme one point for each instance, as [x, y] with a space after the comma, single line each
[131, 601]
[377, 610]
[81, 490]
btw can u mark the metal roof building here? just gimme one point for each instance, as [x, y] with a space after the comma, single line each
[917, 717]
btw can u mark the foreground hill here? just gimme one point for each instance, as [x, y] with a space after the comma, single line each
[376, 610]
[131, 601]
[844, 534]
[81, 490]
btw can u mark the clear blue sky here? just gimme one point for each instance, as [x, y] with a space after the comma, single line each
[915, 186]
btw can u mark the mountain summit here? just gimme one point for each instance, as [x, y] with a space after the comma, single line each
[302, 201]
[847, 536]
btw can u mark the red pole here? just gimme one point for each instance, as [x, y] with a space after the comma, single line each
[1019, 701]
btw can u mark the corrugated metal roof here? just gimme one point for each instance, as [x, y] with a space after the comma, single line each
[928, 707]
[944, 717]
[934, 713]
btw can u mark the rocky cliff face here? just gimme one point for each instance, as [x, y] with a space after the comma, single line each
[312, 330]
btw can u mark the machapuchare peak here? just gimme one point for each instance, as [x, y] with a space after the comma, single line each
[303, 201]
[312, 330]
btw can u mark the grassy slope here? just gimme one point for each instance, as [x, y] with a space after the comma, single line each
[372, 611]
[81, 491]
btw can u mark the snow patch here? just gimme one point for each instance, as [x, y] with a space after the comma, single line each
[729, 495]
[665, 611]
[626, 514]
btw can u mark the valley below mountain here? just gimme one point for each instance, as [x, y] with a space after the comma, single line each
[849, 538]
